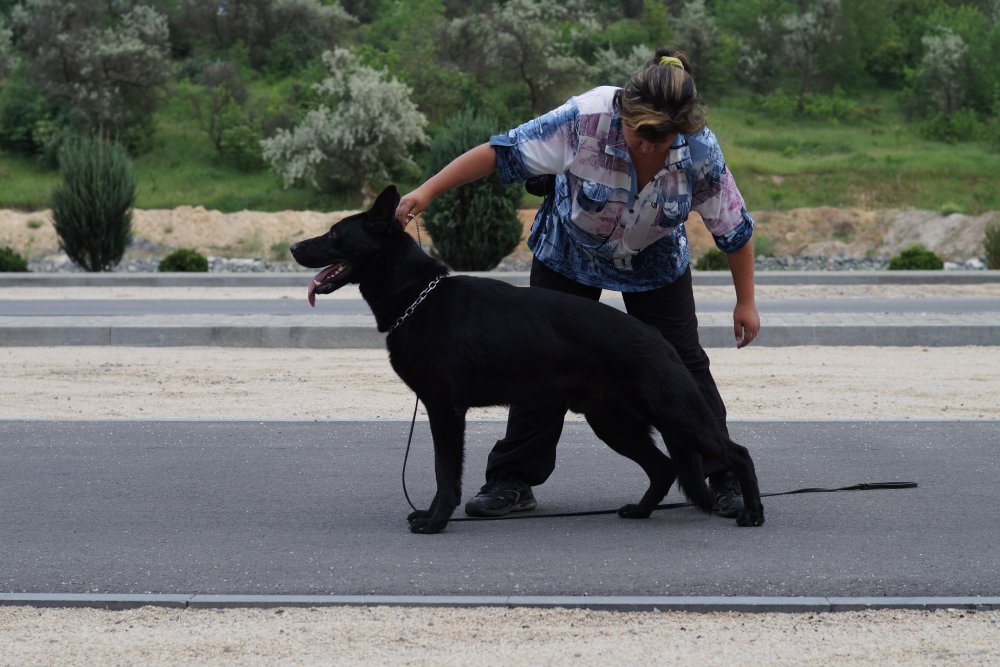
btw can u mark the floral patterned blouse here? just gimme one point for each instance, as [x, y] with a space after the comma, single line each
[598, 228]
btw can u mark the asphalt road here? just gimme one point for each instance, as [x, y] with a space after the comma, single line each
[317, 508]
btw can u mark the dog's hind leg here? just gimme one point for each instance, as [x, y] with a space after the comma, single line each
[742, 466]
[632, 439]
[448, 430]
[715, 445]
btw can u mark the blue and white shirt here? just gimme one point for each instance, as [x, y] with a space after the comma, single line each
[597, 228]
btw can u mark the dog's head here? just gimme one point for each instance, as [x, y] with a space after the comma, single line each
[348, 244]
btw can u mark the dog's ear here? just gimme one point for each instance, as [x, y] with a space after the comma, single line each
[383, 211]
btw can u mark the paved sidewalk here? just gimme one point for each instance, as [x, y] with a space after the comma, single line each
[335, 328]
[295, 278]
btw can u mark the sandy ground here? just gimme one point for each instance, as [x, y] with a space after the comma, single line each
[391, 636]
[758, 383]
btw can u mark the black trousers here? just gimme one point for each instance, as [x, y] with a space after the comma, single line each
[527, 453]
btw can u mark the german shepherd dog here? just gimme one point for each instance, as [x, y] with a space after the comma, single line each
[462, 341]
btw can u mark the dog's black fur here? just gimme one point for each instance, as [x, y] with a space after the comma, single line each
[477, 342]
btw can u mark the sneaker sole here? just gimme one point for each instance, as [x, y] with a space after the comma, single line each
[522, 506]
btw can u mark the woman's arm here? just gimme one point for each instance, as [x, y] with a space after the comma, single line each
[746, 319]
[470, 166]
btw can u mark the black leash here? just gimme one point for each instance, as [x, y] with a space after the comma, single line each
[863, 486]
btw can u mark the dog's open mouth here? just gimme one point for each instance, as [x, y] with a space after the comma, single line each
[328, 280]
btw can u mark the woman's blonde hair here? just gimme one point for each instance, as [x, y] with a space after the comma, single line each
[661, 99]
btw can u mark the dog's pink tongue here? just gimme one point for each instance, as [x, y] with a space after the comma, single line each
[318, 280]
[312, 293]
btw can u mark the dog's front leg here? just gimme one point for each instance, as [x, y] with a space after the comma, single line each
[448, 431]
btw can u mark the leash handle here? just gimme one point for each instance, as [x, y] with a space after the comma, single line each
[863, 486]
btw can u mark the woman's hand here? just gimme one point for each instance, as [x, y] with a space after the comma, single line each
[746, 323]
[470, 166]
[412, 205]
[746, 319]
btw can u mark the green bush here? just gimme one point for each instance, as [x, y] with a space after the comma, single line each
[992, 245]
[473, 226]
[712, 259]
[780, 104]
[916, 258]
[963, 125]
[21, 108]
[184, 259]
[92, 207]
[240, 148]
[11, 261]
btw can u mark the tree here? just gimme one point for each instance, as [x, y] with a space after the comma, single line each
[365, 127]
[613, 68]
[8, 57]
[697, 34]
[522, 40]
[806, 35]
[978, 80]
[222, 96]
[101, 70]
[407, 39]
[279, 36]
[939, 69]
[751, 31]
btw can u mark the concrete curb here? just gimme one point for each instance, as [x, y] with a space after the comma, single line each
[346, 332]
[701, 604]
[356, 336]
[298, 279]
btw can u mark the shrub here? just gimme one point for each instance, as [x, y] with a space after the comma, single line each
[473, 226]
[712, 259]
[963, 125]
[100, 66]
[11, 261]
[366, 123]
[240, 148]
[184, 259]
[916, 258]
[21, 108]
[992, 245]
[92, 207]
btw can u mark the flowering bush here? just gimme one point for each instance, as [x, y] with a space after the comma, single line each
[364, 127]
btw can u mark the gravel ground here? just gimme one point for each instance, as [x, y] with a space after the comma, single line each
[400, 636]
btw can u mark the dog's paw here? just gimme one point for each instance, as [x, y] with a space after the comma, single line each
[419, 514]
[632, 511]
[424, 526]
[750, 517]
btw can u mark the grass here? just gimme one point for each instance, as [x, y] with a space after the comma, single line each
[778, 164]
[783, 164]
[182, 168]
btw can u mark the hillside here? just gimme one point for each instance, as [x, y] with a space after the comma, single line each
[802, 231]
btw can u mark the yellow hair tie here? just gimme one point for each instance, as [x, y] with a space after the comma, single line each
[671, 60]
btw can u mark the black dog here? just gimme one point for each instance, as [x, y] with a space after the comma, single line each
[463, 341]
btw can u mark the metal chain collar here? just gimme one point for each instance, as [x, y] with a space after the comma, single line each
[417, 302]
